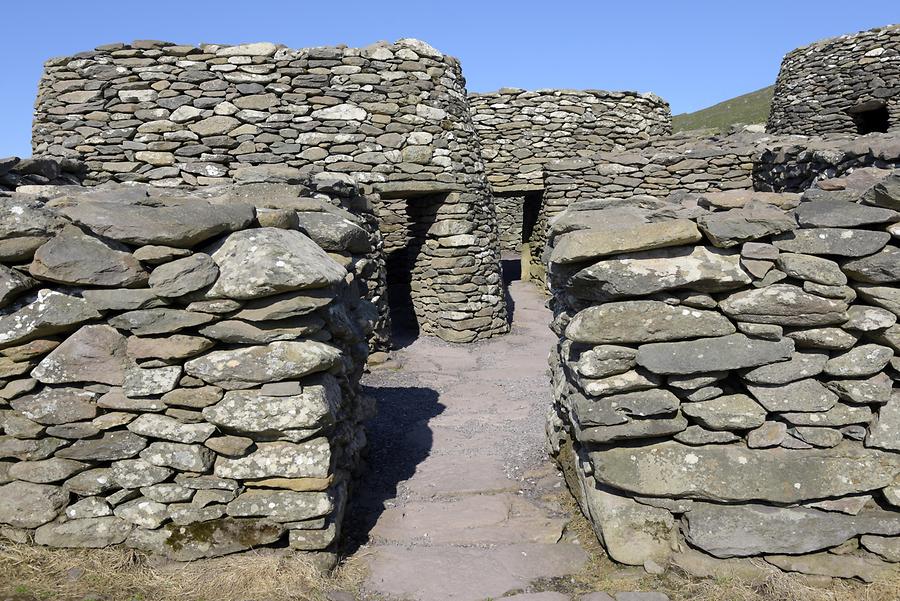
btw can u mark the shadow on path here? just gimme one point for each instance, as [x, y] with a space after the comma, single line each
[399, 439]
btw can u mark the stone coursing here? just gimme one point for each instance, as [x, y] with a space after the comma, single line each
[734, 165]
[724, 382]
[179, 368]
[521, 131]
[848, 84]
[394, 117]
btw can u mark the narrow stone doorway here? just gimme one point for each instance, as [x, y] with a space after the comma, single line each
[517, 214]
[870, 117]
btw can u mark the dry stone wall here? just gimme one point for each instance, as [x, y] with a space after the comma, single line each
[393, 117]
[725, 378]
[521, 131]
[178, 368]
[15, 172]
[848, 84]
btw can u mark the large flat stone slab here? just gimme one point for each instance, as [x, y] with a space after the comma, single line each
[644, 321]
[723, 353]
[785, 305]
[735, 473]
[467, 573]
[622, 238]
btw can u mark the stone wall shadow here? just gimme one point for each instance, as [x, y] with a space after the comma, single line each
[399, 439]
[511, 271]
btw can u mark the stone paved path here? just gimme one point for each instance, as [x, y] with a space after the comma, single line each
[460, 492]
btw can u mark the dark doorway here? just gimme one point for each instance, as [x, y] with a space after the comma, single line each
[404, 224]
[871, 117]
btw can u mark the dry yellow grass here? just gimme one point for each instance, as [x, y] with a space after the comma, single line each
[124, 575]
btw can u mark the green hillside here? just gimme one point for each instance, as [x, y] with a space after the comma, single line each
[749, 108]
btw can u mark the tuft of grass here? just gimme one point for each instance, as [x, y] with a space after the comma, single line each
[117, 574]
[747, 108]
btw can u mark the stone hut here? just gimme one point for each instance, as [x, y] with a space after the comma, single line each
[521, 131]
[848, 84]
[392, 117]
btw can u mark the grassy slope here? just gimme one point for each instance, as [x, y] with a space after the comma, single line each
[749, 108]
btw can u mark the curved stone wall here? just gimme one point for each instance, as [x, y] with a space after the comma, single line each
[394, 117]
[180, 368]
[725, 378]
[848, 84]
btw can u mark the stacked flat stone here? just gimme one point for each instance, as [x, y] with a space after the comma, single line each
[724, 382]
[394, 117]
[178, 369]
[16, 172]
[735, 164]
[822, 88]
[521, 131]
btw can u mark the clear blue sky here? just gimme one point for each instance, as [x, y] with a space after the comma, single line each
[693, 54]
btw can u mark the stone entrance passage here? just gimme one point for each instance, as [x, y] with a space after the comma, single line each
[458, 502]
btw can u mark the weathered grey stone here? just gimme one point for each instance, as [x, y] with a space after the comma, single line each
[869, 319]
[861, 361]
[180, 225]
[644, 321]
[765, 331]
[122, 299]
[241, 368]
[147, 382]
[91, 507]
[735, 473]
[635, 379]
[116, 400]
[803, 364]
[887, 547]
[311, 459]
[735, 351]
[111, 446]
[615, 409]
[167, 348]
[817, 437]
[29, 505]
[84, 533]
[52, 406]
[620, 238]
[835, 213]
[155, 254]
[181, 457]
[605, 360]
[166, 428]
[744, 530]
[697, 436]
[884, 296]
[697, 268]
[167, 492]
[284, 306]
[884, 433]
[143, 513]
[146, 322]
[839, 415]
[333, 232]
[814, 269]
[91, 482]
[731, 412]
[755, 220]
[281, 505]
[874, 390]
[266, 261]
[49, 312]
[784, 304]
[92, 354]
[12, 284]
[801, 395]
[241, 332]
[696, 382]
[214, 539]
[73, 257]
[135, 473]
[832, 241]
[632, 429]
[631, 533]
[882, 267]
[46, 471]
[230, 446]
[183, 276]
[29, 450]
[770, 434]
[252, 411]
[823, 338]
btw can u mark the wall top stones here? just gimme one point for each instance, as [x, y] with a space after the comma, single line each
[847, 84]
[521, 130]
